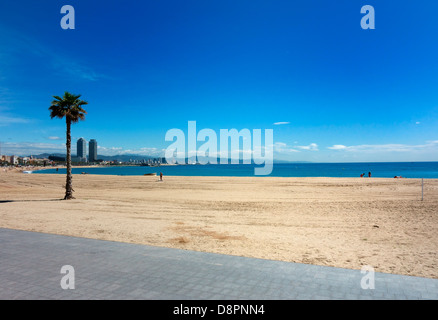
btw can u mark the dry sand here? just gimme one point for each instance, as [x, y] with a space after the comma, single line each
[340, 222]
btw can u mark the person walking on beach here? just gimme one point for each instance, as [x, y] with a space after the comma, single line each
[369, 174]
[161, 176]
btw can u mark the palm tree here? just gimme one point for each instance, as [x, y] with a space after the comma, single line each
[70, 107]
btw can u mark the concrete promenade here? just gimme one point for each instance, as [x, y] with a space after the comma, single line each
[30, 268]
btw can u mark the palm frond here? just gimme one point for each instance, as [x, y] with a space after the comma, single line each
[68, 106]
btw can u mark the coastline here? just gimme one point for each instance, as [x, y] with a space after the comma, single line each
[403, 170]
[341, 222]
[38, 168]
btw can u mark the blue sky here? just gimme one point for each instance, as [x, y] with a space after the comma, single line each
[330, 90]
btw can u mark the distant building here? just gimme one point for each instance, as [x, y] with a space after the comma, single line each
[57, 158]
[92, 154]
[6, 158]
[77, 159]
[82, 149]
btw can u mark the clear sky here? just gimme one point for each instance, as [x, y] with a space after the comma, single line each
[330, 90]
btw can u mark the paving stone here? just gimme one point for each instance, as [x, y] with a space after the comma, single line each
[31, 262]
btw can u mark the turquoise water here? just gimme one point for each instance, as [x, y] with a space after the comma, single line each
[378, 169]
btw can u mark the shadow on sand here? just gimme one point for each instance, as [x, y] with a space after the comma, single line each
[6, 201]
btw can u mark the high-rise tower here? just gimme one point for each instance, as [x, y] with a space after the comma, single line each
[92, 154]
[82, 148]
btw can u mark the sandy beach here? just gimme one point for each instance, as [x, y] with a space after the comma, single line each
[340, 222]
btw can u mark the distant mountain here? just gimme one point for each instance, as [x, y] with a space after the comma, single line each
[285, 161]
[137, 157]
[120, 157]
[205, 159]
[46, 155]
[125, 157]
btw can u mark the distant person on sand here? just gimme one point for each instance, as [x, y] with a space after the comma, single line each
[369, 174]
[361, 175]
[161, 176]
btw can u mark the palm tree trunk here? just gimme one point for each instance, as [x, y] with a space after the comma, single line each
[68, 183]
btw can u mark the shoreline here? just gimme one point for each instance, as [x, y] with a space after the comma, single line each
[256, 177]
[407, 171]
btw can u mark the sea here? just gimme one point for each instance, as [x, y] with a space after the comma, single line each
[427, 170]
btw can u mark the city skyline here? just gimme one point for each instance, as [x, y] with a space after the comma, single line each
[81, 149]
[331, 91]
